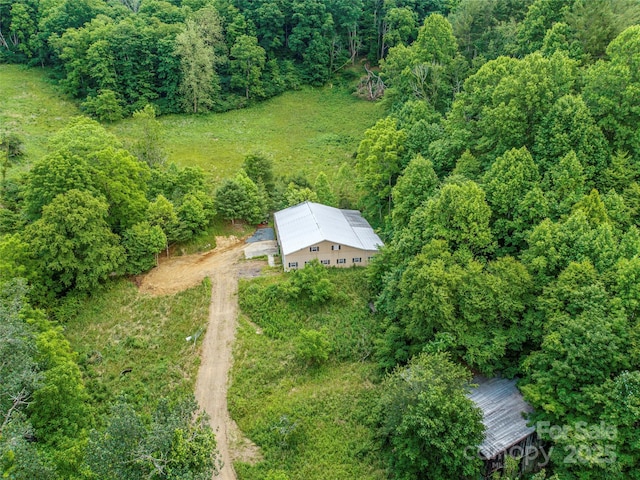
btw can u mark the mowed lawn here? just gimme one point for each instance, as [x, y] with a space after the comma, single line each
[304, 131]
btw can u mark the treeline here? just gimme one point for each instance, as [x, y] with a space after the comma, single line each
[509, 203]
[195, 55]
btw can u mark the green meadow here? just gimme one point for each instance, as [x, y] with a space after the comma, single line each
[304, 131]
[31, 107]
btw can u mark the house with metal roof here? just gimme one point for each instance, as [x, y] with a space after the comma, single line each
[503, 415]
[337, 238]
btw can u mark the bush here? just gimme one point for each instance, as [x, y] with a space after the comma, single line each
[313, 347]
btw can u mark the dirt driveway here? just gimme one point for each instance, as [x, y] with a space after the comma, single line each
[222, 265]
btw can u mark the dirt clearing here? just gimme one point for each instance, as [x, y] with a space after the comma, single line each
[222, 265]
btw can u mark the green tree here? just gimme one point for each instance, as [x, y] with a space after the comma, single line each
[415, 186]
[194, 213]
[178, 443]
[104, 106]
[427, 421]
[459, 214]
[312, 346]
[567, 127]
[239, 199]
[72, 244]
[595, 23]
[200, 82]
[324, 191]
[610, 88]
[148, 146]
[142, 243]
[379, 162]
[259, 169]
[247, 60]
[296, 194]
[507, 182]
[311, 283]
[501, 106]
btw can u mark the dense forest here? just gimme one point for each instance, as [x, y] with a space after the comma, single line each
[504, 178]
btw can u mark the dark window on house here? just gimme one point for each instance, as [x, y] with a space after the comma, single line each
[335, 247]
[356, 259]
[342, 260]
[293, 264]
[325, 262]
[314, 249]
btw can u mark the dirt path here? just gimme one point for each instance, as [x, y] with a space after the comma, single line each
[222, 267]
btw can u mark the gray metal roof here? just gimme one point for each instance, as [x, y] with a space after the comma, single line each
[503, 410]
[310, 223]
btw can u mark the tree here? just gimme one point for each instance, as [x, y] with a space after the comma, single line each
[567, 127]
[415, 186]
[313, 346]
[459, 214]
[194, 213]
[178, 443]
[259, 169]
[296, 194]
[11, 148]
[142, 243]
[501, 106]
[199, 82]
[610, 89]
[507, 182]
[239, 199]
[426, 420]
[324, 191]
[148, 146]
[378, 163]
[104, 106]
[595, 23]
[72, 244]
[247, 60]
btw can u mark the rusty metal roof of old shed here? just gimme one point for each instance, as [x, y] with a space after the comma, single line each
[503, 409]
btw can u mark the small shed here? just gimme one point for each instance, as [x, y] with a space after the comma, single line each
[503, 415]
[337, 238]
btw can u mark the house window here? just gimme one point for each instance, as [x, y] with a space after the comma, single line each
[342, 260]
[314, 249]
[356, 259]
[335, 247]
[293, 264]
[325, 262]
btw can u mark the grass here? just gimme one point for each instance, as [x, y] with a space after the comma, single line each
[31, 107]
[304, 131]
[119, 329]
[308, 420]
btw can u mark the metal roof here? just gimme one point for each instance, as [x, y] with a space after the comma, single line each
[310, 223]
[503, 410]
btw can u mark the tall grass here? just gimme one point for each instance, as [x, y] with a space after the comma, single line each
[135, 345]
[312, 422]
[31, 107]
[304, 131]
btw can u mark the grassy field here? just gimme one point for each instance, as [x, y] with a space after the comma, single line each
[311, 422]
[31, 107]
[119, 329]
[305, 131]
